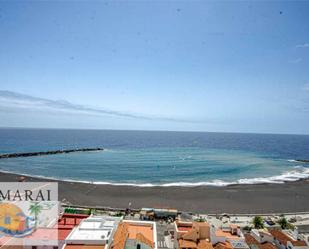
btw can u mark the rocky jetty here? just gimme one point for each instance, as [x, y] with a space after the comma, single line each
[51, 152]
[302, 160]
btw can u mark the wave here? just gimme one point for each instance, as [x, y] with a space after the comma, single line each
[296, 174]
[289, 176]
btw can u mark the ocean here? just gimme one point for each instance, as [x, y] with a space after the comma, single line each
[153, 158]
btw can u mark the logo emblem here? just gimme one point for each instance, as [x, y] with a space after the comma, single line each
[29, 213]
[14, 222]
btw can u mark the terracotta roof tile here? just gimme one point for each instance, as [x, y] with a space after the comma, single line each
[120, 236]
[186, 244]
[203, 244]
[298, 243]
[228, 235]
[267, 245]
[132, 231]
[284, 238]
[221, 245]
[250, 240]
[280, 236]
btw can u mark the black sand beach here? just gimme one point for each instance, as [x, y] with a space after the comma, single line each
[259, 198]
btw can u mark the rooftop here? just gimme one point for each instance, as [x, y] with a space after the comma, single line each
[66, 224]
[298, 243]
[284, 238]
[93, 230]
[227, 235]
[221, 245]
[250, 240]
[70, 220]
[261, 232]
[142, 231]
[194, 235]
[135, 229]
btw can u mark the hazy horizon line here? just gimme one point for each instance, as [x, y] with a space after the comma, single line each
[149, 130]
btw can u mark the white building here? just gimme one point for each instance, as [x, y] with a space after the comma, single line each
[286, 240]
[262, 235]
[230, 234]
[95, 230]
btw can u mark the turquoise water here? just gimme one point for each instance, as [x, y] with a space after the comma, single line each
[158, 158]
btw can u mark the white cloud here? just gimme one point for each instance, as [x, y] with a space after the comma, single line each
[27, 102]
[305, 45]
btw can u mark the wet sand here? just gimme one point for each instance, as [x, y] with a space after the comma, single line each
[257, 198]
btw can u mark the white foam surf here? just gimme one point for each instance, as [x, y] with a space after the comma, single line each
[296, 174]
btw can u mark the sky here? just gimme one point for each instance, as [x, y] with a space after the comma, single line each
[167, 65]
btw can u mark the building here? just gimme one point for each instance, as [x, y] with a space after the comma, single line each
[182, 227]
[228, 237]
[193, 235]
[135, 235]
[93, 232]
[262, 235]
[147, 214]
[158, 213]
[255, 244]
[202, 235]
[285, 240]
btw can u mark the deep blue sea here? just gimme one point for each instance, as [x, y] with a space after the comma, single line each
[148, 158]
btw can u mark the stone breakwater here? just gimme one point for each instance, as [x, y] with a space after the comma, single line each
[51, 152]
[302, 160]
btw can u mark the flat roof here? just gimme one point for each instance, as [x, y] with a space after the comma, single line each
[89, 235]
[94, 229]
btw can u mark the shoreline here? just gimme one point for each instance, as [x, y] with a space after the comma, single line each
[277, 179]
[239, 198]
